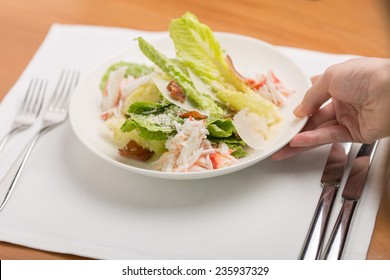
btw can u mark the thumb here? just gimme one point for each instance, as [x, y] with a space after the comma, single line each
[314, 98]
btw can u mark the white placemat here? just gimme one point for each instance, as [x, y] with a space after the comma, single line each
[70, 201]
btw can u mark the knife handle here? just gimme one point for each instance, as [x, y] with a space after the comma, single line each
[334, 248]
[315, 237]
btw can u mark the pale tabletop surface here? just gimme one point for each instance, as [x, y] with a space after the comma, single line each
[359, 27]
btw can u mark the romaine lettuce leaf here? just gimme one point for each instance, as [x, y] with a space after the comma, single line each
[131, 124]
[153, 121]
[145, 108]
[121, 138]
[254, 102]
[221, 128]
[238, 151]
[197, 46]
[234, 142]
[223, 131]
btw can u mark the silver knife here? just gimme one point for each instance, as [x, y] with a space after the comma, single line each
[351, 194]
[330, 182]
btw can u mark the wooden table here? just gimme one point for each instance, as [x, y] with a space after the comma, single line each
[351, 26]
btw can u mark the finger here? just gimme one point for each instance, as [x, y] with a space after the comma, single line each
[320, 136]
[299, 144]
[324, 118]
[315, 78]
[287, 152]
[324, 115]
[314, 98]
[328, 124]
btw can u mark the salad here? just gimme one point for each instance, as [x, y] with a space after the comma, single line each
[192, 112]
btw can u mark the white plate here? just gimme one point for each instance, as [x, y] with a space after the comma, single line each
[248, 55]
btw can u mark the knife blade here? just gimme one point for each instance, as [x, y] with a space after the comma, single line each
[351, 194]
[330, 182]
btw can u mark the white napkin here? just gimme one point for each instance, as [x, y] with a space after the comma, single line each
[70, 201]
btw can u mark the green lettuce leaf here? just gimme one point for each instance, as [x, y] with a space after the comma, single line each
[221, 128]
[223, 131]
[121, 138]
[145, 108]
[130, 125]
[238, 151]
[234, 142]
[152, 120]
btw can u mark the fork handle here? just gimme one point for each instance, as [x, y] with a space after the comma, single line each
[4, 140]
[12, 176]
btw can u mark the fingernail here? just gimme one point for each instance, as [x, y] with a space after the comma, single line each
[297, 111]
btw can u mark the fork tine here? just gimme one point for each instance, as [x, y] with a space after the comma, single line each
[41, 98]
[33, 100]
[57, 91]
[73, 81]
[37, 106]
[63, 90]
[29, 109]
[29, 95]
[67, 82]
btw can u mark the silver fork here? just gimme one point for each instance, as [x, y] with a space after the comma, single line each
[29, 110]
[56, 113]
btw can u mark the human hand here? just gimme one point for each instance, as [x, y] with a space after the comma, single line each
[359, 111]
